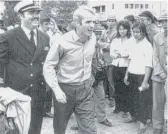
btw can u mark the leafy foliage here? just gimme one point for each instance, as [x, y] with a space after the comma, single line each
[9, 16]
[61, 11]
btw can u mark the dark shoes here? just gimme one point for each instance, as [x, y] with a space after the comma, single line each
[130, 120]
[106, 123]
[112, 103]
[142, 128]
[74, 128]
[116, 111]
[49, 115]
[125, 115]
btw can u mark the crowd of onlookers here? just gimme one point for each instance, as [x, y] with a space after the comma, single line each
[129, 68]
[135, 60]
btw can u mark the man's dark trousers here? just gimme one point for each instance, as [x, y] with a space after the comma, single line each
[48, 100]
[80, 100]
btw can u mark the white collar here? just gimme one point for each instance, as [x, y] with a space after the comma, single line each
[27, 31]
[76, 37]
[40, 28]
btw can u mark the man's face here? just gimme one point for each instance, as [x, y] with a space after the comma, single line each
[164, 24]
[51, 25]
[30, 19]
[87, 26]
[145, 20]
[46, 26]
[137, 33]
[111, 23]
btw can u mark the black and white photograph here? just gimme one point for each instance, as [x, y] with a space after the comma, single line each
[83, 66]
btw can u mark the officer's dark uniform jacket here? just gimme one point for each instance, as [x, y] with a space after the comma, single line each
[23, 63]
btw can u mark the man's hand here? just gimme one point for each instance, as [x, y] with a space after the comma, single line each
[119, 56]
[92, 80]
[126, 80]
[118, 53]
[144, 85]
[162, 76]
[60, 96]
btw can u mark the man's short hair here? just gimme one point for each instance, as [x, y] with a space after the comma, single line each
[130, 18]
[44, 17]
[104, 25]
[44, 20]
[149, 15]
[83, 12]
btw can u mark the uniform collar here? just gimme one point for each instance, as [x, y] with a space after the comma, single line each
[27, 31]
[40, 28]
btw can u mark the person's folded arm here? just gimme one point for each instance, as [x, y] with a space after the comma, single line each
[148, 65]
[113, 54]
[124, 54]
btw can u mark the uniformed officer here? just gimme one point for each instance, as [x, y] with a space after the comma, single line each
[22, 52]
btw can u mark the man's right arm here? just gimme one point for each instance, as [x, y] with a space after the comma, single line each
[51, 64]
[3, 59]
[50, 71]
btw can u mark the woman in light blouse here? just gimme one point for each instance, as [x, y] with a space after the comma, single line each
[119, 53]
[138, 75]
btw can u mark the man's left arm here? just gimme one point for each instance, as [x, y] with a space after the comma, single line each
[148, 65]
[158, 70]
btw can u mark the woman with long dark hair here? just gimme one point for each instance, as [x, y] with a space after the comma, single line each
[119, 52]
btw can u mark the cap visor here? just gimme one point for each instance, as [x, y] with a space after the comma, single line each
[32, 9]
